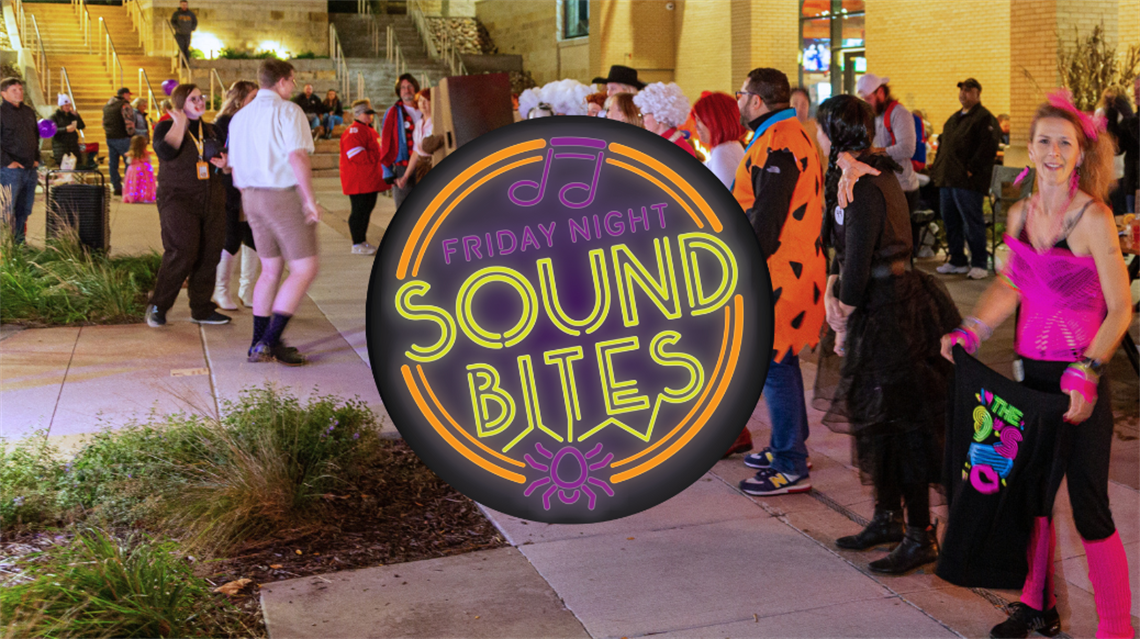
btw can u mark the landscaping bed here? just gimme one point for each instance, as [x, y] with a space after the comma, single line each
[275, 490]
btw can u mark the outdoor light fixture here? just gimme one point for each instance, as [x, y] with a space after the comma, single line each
[209, 44]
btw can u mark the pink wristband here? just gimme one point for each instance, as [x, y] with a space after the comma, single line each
[1078, 377]
[966, 337]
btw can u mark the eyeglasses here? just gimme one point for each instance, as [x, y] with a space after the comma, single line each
[740, 93]
[196, 98]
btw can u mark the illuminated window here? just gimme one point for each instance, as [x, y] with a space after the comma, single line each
[831, 47]
[575, 18]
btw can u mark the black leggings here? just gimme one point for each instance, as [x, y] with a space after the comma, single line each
[362, 205]
[1086, 447]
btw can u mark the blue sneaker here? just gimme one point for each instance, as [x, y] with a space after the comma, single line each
[763, 460]
[770, 482]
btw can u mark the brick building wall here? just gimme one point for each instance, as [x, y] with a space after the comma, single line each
[926, 48]
[705, 50]
[528, 29]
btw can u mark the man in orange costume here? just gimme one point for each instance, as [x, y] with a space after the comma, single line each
[779, 184]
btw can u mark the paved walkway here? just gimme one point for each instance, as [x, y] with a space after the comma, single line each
[711, 562]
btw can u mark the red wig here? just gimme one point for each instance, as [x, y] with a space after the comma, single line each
[718, 112]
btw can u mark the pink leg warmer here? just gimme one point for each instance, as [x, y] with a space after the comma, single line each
[1108, 572]
[1037, 593]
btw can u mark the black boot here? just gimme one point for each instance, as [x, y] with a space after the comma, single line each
[885, 527]
[919, 547]
[1023, 620]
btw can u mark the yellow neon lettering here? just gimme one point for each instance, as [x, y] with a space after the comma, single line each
[676, 358]
[661, 291]
[621, 397]
[484, 392]
[465, 315]
[564, 359]
[425, 312]
[553, 306]
[530, 399]
[699, 303]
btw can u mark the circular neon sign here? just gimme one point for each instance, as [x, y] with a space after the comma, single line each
[569, 319]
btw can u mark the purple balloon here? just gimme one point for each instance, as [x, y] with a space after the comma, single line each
[169, 85]
[47, 128]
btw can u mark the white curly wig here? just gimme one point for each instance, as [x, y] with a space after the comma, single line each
[566, 97]
[665, 102]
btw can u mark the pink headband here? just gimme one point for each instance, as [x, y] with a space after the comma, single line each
[1092, 125]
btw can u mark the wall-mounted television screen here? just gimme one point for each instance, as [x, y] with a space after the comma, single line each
[817, 55]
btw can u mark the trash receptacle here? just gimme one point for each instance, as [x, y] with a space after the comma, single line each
[80, 204]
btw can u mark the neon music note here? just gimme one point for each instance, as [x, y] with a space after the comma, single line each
[592, 187]
[531, 184]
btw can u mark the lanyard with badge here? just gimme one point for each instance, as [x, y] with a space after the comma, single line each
[203, 165]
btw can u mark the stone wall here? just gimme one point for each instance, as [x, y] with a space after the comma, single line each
[295, 26]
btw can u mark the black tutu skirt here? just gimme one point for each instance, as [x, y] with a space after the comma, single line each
[890, 390]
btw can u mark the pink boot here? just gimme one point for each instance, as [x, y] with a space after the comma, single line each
[1108, 572]
[1037, 593]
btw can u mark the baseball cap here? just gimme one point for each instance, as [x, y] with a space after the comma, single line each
[123, 91]
[970, 83]
[867, 84]
[362, 108]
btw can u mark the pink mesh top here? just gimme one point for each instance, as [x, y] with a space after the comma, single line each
[1062, 304]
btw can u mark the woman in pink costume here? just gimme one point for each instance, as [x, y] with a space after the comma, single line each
[1067, 272]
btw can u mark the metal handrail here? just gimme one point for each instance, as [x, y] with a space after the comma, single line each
[178, 62]
[364, 6]
[336, 52]
[21, 20]
[444, 49]
[144, 83]
[65, 87]
[394, 53]
[110, 55]
[84, 17]
[359, 86]
[420, 20]
[214, 77]
[135, 12]
[40, 57]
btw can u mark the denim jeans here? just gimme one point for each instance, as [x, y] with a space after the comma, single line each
[314, 121]
[22, 183]
[963, 208]
[328, 121]
[784, 393]
[117, 147]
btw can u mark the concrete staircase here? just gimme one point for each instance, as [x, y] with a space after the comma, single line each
[326, 159]
[91, 80]
[379, 76]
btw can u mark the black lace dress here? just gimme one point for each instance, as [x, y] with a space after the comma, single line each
[890, 389]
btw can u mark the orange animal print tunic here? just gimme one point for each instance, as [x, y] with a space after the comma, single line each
[779, 184]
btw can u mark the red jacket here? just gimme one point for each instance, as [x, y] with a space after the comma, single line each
[360, 161]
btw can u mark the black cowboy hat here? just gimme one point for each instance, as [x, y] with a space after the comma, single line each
[622, 75]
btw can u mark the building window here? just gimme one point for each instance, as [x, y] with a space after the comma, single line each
[575, 18]
[832, 52]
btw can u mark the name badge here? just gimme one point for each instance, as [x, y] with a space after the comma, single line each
[203, 170]
[839, 216]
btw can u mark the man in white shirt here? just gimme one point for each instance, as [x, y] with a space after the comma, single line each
[269, 147]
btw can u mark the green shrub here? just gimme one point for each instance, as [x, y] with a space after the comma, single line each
[66, 283]
[100, 586]
[30, 479]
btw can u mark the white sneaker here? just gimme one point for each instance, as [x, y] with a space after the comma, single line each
[363, 249]
[948, 269]
[978, 273]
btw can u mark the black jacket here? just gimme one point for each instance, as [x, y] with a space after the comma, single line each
[19, 135]
[184, 22]
[118, 119]
[311, 105]
[966, 151]
[66, 141]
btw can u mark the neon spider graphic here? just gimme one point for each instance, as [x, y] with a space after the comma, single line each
[569, 491]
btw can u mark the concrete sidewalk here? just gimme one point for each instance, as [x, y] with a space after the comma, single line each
[711, 562]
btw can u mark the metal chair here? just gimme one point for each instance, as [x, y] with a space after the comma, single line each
[1003, 194]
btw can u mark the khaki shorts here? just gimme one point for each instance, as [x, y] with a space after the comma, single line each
[278, 223]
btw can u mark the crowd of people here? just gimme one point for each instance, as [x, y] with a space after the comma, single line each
[831, 200]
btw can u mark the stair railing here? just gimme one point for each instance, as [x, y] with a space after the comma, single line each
[394, 54]
[135, 12]
[449, 51]
[110, 55]
[415, 10]
[65, 87]
[144, 83]
[84, 17]
[216, 79]
[39, 55]
[336, 52]
[178, 62]
[359, 86]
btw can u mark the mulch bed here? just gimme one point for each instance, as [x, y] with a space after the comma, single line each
[401, 511]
